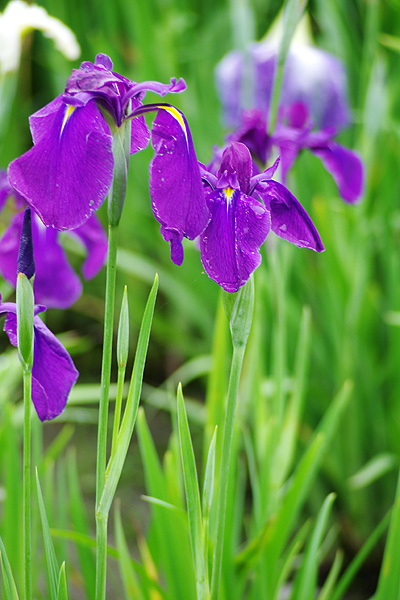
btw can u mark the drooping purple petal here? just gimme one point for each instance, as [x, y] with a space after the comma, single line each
[53, 372]
[176, 189]
[66, 175]
[140, 134]
[252, 132]
[346, 168]
[94, 239]
[55, 284]
[289, 220]
[230, 243]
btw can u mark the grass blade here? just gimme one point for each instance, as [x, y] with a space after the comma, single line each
[389, 578]
[62, 593]
[8, 579]
[128, 575]
[52, 568]
[193, 499]
[128, 422]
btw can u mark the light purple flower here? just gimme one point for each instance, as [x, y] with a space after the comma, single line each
[53, 371]
[243, 209]
[313, 108]
[67, 173]
[56, 284]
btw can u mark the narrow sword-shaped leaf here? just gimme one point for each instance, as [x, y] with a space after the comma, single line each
[62, 593]
[52, 567]
[193, 499]
[125, 434]
[8, 579]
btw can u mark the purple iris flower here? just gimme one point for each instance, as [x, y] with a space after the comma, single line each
[243, 209]
[313, 108]
[56, 284]
[67, 173]
[53, 371]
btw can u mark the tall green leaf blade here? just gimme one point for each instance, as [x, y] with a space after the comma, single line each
[193, 499]
[117, 461]
[52, 567]
[306, 581]
[78, 518]
[389, 578]
[62, 593]
[128, 575]
[8, 579]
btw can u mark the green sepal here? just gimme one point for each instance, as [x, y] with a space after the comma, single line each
[25, 315]
[239, 311]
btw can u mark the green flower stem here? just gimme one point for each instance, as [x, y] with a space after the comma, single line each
[27, 379]
[118, 405]
[101, 524]
[236, 369]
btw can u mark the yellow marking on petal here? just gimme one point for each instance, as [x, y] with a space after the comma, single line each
[228, 192]
[67, 115]
[177, 115]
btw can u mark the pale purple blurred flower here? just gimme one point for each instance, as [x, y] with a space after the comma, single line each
[313, 107]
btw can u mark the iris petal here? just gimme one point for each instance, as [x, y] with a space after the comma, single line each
[53, 372]
[67, 173]
[289, 220]
[176, 189]
[346, 168]
[230, 243]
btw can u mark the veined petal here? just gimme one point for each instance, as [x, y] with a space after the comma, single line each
[289, 220]
[94, 239]
[67, 173]
[346, 168]
[230, 243]
[176, 189]
[53, 372]
[140, 134]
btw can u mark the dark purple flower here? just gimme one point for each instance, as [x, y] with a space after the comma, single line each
[53, 372]
[313, 107]
[56, 284]
[243, 209]
[176, 189]
[67, 173]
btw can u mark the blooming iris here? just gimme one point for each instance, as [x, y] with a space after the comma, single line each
[56, 284]
[313, 108]
[243, 209]
[67, 173]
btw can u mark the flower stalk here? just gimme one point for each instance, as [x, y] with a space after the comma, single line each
[116, 199]
[239, 310]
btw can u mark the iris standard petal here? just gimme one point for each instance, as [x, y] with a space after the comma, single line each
[67, 173]
[176, 189]
[94, 238]
[346, 168]
[53, 372]
[236, 167]
[230, 243]
[289, 220]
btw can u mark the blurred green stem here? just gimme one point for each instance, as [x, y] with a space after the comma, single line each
[236, 369]
[27, 377]
[101, 524]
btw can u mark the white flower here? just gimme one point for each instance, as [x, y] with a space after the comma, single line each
[18, 19]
